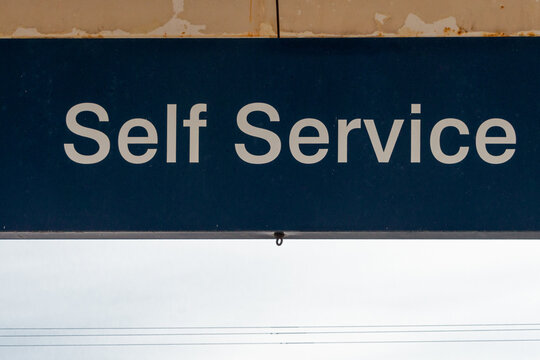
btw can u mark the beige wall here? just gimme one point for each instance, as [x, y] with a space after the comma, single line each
[22, 18]
[142, 18]
[409, 17]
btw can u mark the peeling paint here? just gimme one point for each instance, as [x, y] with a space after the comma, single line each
[266, 30]
[381, 18]
[414, 26]
[233, 18]
[177, 26]
[23, 32]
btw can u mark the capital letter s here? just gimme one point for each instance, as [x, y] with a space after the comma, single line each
[96, 135]
[270, 137]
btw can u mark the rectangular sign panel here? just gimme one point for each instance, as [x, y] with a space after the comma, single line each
[244, 137]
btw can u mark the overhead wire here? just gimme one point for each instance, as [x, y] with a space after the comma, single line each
[269, 333]
[277, 343]
[267, 327]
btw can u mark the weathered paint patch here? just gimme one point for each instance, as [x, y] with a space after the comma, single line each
[414, 26]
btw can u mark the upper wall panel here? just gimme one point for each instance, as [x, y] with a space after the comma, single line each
[137, 18]
[257, 18]
[409, 18]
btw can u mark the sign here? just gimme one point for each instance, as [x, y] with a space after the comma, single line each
[425, 137]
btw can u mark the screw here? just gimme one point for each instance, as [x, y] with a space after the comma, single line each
[279, 235]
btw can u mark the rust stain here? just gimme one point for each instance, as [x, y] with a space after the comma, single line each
[183, 34]
[496, 34]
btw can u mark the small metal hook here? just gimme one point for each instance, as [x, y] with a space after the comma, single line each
[279, 235]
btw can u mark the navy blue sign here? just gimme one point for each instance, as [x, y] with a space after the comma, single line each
[333, 137]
